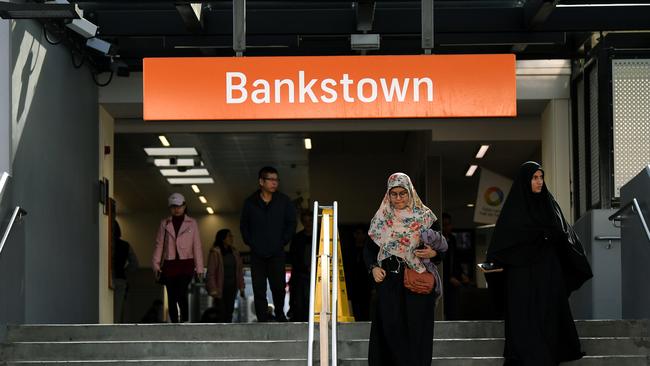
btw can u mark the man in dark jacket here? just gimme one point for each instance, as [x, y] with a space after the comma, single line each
[268, 222]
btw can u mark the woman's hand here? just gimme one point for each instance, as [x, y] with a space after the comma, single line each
[425, 253]
[378, 274]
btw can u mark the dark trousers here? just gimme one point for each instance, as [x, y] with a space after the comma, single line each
[401, 333]
[177, 295]
[271, 268]
[226, 304]
[299, 300]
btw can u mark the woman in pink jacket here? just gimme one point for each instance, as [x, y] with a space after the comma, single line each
[225, 275]
[178, 256]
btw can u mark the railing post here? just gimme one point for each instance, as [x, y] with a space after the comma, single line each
[312, 287]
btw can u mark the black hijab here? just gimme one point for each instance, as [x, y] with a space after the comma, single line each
[525, 218]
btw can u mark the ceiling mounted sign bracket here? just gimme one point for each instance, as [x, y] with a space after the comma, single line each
[239, 27]
[427, 26]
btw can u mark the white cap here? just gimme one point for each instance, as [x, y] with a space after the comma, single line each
[176, 199]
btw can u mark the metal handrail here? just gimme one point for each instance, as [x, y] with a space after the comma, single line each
[312, 286]
[17, 214]
[634, 205]
[325, 281]
[3, 181]
[335, 280]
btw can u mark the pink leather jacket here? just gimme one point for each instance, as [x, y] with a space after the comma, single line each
[214, 277]
[188, 243]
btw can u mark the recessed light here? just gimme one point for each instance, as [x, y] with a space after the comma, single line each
[171, 151]
[190, 180]
[210, 210]
[195, 188]
[184, 173]
[308, 143]
[203, 199]
[481, 152]
[169, 162]
[471, 170]
[163, 140]
[470, 205]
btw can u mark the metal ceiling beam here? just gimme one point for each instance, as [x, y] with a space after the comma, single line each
[192, 15]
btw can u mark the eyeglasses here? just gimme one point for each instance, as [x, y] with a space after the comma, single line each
[272, 179]
[402, 194]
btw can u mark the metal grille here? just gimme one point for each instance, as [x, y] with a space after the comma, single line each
[631, 91]
[582, 167]
[594, 137]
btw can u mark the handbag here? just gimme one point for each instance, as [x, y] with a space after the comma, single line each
[420, 283]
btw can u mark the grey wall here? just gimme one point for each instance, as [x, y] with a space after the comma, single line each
[5, 94]
[50, 268]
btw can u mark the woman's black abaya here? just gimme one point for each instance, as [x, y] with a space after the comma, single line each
[543, 262]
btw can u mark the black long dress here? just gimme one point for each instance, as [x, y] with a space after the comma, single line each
[543, 262]
[401, 333]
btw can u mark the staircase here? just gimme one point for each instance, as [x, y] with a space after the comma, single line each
[480, 343]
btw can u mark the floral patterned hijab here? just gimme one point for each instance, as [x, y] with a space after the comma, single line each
[397, 232]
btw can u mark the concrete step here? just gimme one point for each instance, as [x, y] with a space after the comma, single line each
[152, 350]
[493, 347]
[624, 360]
[616, 360]
[288, 331]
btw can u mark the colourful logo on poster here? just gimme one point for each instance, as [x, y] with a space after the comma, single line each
[493, 196]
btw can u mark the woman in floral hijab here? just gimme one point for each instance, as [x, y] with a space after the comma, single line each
[402, 324]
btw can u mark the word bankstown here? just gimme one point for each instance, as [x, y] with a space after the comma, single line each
[365, 90]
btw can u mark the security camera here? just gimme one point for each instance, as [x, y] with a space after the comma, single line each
[82, 26]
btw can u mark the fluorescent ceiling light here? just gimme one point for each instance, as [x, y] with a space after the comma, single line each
[185, 173]
[308, 143]
[171, 151]
[203, 199]
[210, 210]
[471, 170]
[163, 140]
[470, 205]
[190, 180]
[179, 162]
[195, 188]
[481, 152]
[486, 226]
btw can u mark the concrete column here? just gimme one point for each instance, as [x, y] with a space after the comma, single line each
[5, 96]
[106, 158]
[556, 152]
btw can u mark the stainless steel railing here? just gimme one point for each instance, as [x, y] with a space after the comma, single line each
[325, 284]
[16, 215]
[634, 206]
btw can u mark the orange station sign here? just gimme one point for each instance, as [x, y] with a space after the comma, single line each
[253, 88]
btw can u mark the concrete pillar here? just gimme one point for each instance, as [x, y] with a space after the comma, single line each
[106, 157]
[5, 96]
[556, 152]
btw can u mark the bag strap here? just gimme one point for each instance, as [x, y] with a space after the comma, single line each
[164, 255]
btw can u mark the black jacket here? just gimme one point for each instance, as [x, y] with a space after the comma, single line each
[267, 228]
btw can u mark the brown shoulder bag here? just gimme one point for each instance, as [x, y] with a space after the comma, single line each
[420, 283]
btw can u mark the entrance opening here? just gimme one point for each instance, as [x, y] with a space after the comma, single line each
[350, 167]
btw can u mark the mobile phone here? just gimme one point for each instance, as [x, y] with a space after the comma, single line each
[489, 267]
